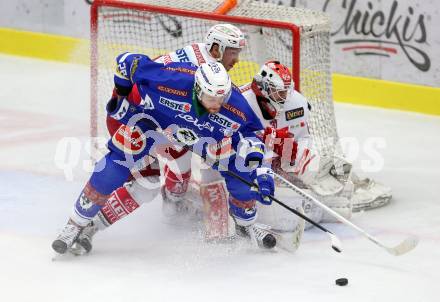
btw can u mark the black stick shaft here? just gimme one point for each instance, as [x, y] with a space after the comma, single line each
[280, 202]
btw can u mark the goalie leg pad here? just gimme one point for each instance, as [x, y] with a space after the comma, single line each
[369, 194]
[278, 217]
[312, 211]
[340, 205]
[218, 223]
[145, 189]
[176, 184]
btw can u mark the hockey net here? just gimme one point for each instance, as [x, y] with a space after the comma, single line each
[299, 38]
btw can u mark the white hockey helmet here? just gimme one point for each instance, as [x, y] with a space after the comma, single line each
[225, 35]
[274, 82]
[213, 80]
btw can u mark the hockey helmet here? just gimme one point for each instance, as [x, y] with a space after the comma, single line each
[274, 82]
[213, 80]
[225, 35]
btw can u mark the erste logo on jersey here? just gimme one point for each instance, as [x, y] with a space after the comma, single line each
[195, 122]
[294, 113]
[175, 105]
[129, 139]
[224, 121]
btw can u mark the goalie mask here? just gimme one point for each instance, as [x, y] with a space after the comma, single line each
[274, 82]
[225, 35]
[212, 85]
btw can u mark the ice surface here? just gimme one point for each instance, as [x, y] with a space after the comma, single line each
[142, 258]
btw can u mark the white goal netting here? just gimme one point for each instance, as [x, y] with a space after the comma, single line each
[156, 27]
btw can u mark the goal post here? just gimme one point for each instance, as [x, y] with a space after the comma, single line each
[299, 38]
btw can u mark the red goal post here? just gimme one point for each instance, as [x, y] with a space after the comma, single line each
[160, 26]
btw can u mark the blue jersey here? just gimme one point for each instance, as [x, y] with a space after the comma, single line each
[169, 103]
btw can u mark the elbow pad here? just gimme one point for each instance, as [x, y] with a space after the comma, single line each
[122, 110]
[122, 90]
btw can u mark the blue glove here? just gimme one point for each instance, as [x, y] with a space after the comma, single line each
[122, 110]
[264, 179]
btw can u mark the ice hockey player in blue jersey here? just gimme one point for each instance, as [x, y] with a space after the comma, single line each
[183, 104]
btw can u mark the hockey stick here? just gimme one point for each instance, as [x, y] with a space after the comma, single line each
[336, 243]
[402, 248]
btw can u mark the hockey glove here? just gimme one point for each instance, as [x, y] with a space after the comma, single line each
[122, 110]
[252, 150]
[263, 177]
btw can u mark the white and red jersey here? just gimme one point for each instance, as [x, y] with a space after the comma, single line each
[196, 53]
[294, 116]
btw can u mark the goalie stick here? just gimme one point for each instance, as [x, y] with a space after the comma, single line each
[402, 248]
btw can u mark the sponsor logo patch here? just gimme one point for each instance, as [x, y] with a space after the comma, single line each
[181, 54]
[195, 122]
[134, 66]
[167, 59]
[186, 136]
[198, 54]
[214, 67]
[180, 69]
[129, 139]
[147, 102]
[175, 105]
[221, 150]
[235, 111]
[224, 121]
[85, 202]
[172, 90]
[294, 113]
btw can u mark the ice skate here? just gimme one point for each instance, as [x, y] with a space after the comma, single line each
[259, 234]
[83, 244]
[67, 237]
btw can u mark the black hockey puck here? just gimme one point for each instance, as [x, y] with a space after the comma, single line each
[341, 281]
[269, 241]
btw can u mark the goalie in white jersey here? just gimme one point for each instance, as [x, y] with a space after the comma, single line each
[284, 113]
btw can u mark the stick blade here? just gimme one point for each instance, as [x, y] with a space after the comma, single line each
[405, 246]
[336, 243]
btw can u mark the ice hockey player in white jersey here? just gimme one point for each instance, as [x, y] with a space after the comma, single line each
[284, 113]
[223, 43]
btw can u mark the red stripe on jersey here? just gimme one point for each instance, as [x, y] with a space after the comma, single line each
[198, 53]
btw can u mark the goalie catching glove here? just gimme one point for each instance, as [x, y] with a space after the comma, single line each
[282, 142]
